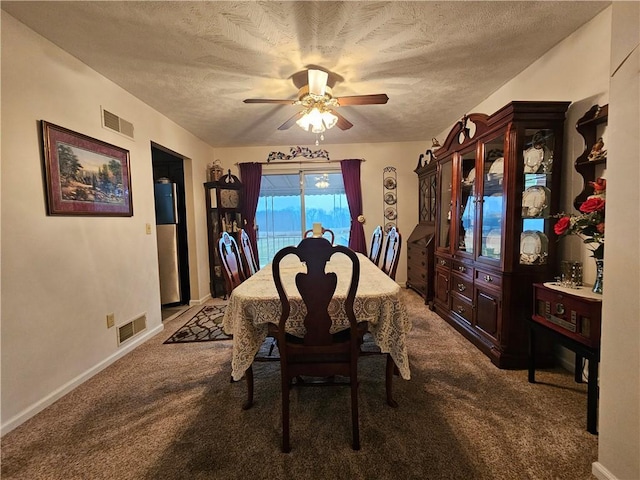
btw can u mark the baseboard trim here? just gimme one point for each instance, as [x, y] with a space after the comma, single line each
[40, 405]
[601, 472]
[193, 303]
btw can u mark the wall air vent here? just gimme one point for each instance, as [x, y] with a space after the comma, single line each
[117, 124]
[131, 329]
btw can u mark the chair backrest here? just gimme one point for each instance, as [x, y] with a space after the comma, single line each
[231, 262]
[250, 264]
[391, 253]
[309, 233]
[320, 353]
[317, 287]
[375, 248]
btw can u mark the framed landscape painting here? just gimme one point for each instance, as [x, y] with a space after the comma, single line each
[85, 176]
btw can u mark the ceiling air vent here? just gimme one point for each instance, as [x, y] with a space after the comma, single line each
[114, 122]
[131, 329]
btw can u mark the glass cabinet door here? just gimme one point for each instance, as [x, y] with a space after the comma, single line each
[446, 203]
[432, 198]
[468, 202]
[427, 198]
[492, 229]
[537, 160]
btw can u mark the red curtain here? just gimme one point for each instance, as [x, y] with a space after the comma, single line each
[353, 191]
[251, 176]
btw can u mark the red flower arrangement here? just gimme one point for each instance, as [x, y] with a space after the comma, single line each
[590, 224]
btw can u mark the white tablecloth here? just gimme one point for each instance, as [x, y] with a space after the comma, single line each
[255, 303]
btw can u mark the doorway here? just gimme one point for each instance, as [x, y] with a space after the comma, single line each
[168, 170]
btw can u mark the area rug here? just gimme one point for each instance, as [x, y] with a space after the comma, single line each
[204, 326]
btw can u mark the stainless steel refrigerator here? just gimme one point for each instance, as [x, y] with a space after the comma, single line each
[167, 233]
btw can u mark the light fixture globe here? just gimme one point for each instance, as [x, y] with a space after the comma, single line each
[329, 119]
[304, 122]
[322, 181]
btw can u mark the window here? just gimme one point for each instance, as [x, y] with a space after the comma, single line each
[290, 203]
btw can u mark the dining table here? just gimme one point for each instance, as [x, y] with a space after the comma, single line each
[255, 303]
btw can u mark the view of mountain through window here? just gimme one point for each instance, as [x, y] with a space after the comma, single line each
[289, 204]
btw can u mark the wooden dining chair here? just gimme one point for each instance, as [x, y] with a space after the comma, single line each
[375, 249]
[319, 354]
[391, 253]
[309, 233]
[231, 262]
[250, 264]
[236, 274]
[369, 348]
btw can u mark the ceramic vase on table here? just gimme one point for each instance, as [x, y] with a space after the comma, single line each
[598, 284]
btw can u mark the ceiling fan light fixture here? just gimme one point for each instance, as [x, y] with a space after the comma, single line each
[304, 122]
[315, 98]
[317, 82]
[317, 128]
[323, 181]
[315, 119]
[329, 120]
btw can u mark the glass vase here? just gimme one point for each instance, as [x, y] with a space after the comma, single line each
[597, 285]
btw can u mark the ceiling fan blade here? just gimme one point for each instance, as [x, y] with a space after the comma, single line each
[342, 123]
[374, 99]
[317, 82]
[267, 100]
[291, 122]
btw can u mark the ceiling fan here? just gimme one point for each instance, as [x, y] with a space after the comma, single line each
[318, 104]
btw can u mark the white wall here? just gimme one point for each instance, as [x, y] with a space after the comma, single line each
[403, 156]
[619, 422]
[61, 275]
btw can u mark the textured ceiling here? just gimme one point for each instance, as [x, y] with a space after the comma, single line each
[196, 61]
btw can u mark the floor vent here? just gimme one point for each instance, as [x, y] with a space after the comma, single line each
[114, 122]
[131, 329]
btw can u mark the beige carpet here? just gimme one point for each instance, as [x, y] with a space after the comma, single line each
[170, 412]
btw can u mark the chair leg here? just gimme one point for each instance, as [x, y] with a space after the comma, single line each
[271, 347]
[390, 369]
[354, 414]
[249, 376]
[286, 447]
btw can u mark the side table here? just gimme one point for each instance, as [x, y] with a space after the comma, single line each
[572, 317]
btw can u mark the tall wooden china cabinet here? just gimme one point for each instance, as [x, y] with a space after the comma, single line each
[224, 214]
[498, 185]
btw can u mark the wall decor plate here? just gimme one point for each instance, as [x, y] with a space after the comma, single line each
[497, 167]
[533, 247]
[535, 200]
[468, 241]
[496, 171]
[390, 213]
[471, 177]
[533, 158]
[390, 198]
[389, 183]
[494, 240]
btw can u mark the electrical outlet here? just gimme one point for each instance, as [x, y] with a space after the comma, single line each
[111, 320]
[148, 228]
